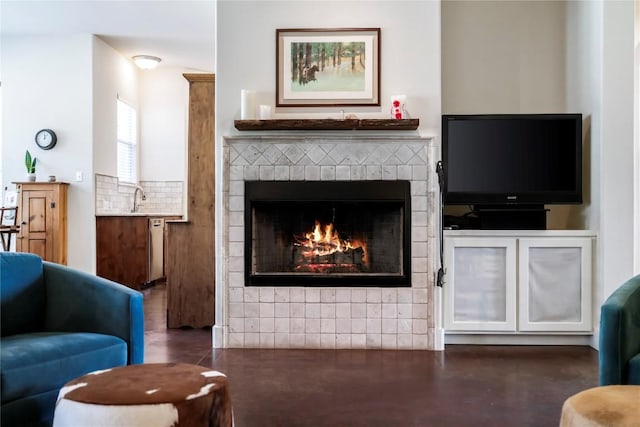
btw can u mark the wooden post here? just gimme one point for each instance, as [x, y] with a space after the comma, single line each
[190, 267]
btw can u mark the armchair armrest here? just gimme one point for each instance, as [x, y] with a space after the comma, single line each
[80, 302]
[619, 332]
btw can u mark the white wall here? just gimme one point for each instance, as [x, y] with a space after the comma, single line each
[637, 142]
[161, 98]
[164, 106]
[601, 84]
[503, 57]
[584, 95]
[46, 83]
[617, 150]
[113, 76]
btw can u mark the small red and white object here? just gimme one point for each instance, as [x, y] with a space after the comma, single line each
[398, 107]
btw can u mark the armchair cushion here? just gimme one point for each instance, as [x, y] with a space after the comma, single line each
[39, 362]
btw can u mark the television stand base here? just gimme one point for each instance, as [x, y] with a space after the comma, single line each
[508, 217]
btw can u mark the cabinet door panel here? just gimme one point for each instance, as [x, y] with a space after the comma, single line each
[36, 229]
[121, 249]
[38, 247]
[38, 213]
[43, 220]
[480, 284]
[555, 284]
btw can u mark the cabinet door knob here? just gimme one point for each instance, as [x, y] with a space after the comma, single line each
[23, 223]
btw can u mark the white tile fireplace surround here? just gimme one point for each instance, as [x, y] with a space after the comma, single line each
[327, 317]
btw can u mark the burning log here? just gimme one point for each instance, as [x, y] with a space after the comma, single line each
[323, 251]
[304, 256]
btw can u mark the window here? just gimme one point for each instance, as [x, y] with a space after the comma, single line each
[127, 141]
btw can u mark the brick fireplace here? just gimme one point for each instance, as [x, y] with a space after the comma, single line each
[379, 308]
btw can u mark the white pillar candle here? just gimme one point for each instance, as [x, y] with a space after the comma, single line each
[265, 112]
[247, 104]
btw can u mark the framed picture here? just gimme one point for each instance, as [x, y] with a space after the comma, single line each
[327, 67]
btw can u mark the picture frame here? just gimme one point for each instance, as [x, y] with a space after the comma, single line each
[327, 67]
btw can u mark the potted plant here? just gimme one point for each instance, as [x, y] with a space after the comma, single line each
[30, 163]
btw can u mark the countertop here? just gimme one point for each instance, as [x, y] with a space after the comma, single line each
[160, 214]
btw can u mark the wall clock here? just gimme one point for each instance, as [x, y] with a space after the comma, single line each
[46, 139]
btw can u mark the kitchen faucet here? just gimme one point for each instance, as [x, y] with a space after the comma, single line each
[135, 196]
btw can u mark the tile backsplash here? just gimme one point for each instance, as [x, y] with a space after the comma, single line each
[113, 198]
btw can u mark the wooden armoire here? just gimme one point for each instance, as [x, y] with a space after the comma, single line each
[190, 264]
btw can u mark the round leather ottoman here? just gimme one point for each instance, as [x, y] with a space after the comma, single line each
[155, 394]
[610, 406]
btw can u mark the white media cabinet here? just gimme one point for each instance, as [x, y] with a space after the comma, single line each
[517, 286]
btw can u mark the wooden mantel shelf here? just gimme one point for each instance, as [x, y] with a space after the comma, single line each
[327, 124]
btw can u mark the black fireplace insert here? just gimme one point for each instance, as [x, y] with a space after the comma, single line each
[328, 233]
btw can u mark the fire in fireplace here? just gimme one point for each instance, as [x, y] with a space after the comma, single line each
[323, 250]
[316, 233]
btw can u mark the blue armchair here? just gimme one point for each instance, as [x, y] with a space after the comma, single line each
[620, 335]
[58, 324]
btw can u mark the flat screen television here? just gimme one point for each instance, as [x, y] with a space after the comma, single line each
[512, 160]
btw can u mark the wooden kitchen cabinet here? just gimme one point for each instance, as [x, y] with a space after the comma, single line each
[125, 249]
[42, 216]
[121, 249]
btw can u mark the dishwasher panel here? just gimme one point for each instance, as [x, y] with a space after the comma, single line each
[156, 249]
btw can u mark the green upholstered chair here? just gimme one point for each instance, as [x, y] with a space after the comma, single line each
[620, 335]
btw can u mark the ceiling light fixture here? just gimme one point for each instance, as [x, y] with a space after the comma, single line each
[146, 62]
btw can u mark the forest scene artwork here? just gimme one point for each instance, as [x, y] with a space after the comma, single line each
[328, 67]
[339, 65]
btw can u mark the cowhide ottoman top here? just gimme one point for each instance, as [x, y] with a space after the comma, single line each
[606, 406]
[154, 394]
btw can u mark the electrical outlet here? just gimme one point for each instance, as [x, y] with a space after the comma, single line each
[79, 176]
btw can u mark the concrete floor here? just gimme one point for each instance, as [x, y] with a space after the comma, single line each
[462, 386]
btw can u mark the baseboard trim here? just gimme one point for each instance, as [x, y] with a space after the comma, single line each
[217, 336]
[488, 339]
[439, 339]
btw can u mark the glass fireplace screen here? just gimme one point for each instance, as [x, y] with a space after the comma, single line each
[328, 241]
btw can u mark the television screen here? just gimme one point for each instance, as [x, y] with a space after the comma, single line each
[512, 159]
